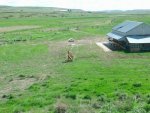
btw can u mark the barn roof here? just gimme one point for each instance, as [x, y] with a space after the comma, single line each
[138, 39]
[126, 26]
[115, 36]
[132, 31]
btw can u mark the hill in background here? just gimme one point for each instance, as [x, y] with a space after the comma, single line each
[53, 9]
[35, 9]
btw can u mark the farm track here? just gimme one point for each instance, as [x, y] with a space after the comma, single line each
[15, 28]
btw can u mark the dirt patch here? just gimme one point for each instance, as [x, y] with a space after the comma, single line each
[55, 47]
[52, 29]
[17, 84]
[84, 41]
[14, 28]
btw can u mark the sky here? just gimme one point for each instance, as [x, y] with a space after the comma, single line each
[88, 5]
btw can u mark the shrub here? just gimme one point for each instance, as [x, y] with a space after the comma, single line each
[138, 97]
[137, 85]
[34, 87]
[148, 96]
[10, 96]
[21, 76]
[122, 96]
[61, 108]
[102, 98]
[124, 106]
[72, 96]
[86, 89]
[10, 79]
[96, 106]
[101, 78]
[18, 110]
[44, 84]
[4, 96]
[147, 107]
[124, 83]
[87, 97]
[148, 101]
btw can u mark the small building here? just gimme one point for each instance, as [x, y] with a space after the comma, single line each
[131, 35]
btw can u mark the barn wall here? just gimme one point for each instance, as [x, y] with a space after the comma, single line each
[139, 47]
[146, 46]
[135, 47]
[134, 50]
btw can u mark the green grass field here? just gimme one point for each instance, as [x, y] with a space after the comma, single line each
[35, 79]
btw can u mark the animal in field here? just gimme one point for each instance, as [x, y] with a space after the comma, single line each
[69, 56]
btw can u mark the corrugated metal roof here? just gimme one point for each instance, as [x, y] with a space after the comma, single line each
[115, 36]
[127, 26]
[138, 39]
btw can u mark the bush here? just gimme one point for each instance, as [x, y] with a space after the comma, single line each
[86, 89]
[122, 96]
[138, 97]
[10, 96]
[137, 85]
[124, 83]
[147, 107]
[102, 98]
[125, 106]
[87, 97]
[61, 108]
[148, 101]
[18, 110]
[96, 105]
[21, 76]
[72, 96]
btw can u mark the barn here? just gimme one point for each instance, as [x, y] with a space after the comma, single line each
[131, 35]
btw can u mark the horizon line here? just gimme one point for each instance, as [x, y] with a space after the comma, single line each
[74, 8]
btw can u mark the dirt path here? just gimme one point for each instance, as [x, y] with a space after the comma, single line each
[14, 28]
[101, 44]
[78, 31]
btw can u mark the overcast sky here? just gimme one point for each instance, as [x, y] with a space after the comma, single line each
[91, 5]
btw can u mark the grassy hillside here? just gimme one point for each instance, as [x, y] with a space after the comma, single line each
[34, 9]
[35, 79]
